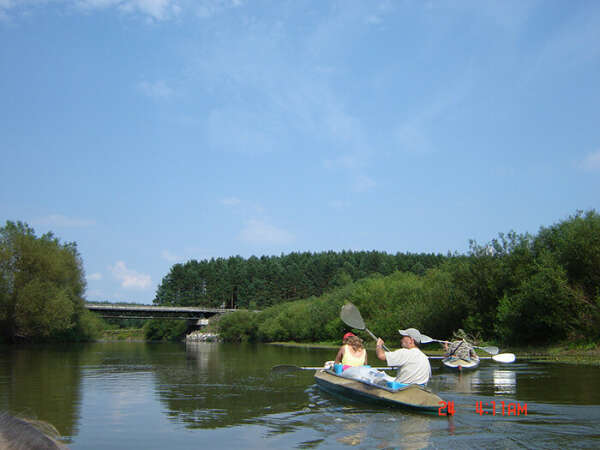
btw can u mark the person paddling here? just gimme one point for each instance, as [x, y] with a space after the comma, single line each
[460, 349]
[352, 353]
[413, 365]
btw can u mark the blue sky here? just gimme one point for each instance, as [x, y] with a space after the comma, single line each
[152, 132]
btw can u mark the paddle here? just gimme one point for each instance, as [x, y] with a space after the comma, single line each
[502, 357]
[350, 315]
[492, 350]
[284, 368]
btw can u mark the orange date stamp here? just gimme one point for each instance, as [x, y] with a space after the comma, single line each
[492, 408]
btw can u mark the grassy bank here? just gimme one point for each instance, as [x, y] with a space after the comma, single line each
[123, 334]
[568, 354]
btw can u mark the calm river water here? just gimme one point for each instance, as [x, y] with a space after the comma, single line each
[178, 396]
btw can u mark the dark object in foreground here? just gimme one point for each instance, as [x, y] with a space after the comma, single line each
[20, 434]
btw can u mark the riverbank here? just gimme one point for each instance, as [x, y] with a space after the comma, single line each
[123, 334]
[566, 354]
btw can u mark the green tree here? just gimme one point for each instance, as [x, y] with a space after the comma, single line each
[41, 287]
[543, 308]
[576, 244]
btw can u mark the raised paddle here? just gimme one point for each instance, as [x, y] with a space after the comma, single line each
[350, 315]
[284, 368]
[492, 350]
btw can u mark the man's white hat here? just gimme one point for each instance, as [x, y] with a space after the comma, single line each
[413, 333]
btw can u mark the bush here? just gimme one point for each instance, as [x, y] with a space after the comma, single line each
[238, 326]
[165, 330]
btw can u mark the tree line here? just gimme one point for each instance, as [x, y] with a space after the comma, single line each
[257, 283]
[516, 289]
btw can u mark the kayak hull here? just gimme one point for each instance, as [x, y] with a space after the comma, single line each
[459, 365]
[411, 397]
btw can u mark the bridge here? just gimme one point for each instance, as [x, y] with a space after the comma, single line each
[197, 313]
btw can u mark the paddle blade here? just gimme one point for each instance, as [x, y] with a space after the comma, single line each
[491, 350]
[350, 315]
[505, 357]
[426, 339]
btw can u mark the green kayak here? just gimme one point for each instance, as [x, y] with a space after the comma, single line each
[412, 396]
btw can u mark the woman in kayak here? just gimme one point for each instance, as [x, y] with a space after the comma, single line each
[352, 353]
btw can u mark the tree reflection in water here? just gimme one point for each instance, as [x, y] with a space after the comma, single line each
[42, 382]
[218, 385]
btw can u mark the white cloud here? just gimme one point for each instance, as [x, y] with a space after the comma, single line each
[5, 5]
[58, 220]
[154, 9]
[96, 294]
[364, 183]
[241, 129]
[382, 9]
[157, 90]
[591, 162]
[412, 137]
[347, 161]
[130, 279]
[231, 201]
[94, 276]
[209, 8]
[339, 205]
[570, 45]
[168, 256]
[261, 232]
[414, 134]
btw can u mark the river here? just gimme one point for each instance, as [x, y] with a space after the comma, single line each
[120, 395]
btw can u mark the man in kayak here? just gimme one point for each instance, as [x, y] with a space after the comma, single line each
[413, 365]
[460, 349]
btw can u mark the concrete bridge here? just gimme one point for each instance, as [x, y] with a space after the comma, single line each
[191, 313]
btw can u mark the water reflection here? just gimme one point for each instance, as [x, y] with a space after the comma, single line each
[128, 395]
[43, 383]
[412, 431]
[505, 381]
[218, 385]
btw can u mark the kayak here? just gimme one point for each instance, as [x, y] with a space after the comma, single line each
[459, 364]
[412, 396]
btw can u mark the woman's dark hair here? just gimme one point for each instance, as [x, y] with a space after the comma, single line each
[355, 342]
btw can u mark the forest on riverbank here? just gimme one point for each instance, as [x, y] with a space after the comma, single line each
[517, 289]
[257, 283]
